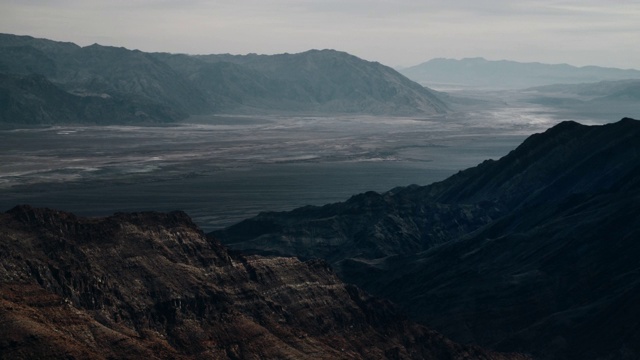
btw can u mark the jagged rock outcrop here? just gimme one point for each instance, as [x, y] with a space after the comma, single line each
[533, 252]
[151, 285]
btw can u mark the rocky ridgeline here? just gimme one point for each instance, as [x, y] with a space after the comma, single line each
[531, 253]
[151, 285]
[567, 159]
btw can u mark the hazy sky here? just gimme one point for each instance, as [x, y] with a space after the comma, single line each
[395, 33]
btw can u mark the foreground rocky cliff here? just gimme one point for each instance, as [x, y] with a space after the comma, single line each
[535, 252]
[152, 286]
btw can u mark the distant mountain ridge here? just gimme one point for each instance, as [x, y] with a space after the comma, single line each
[315, 81]
[33, 100]
[479, 72]
[601, 99]
[533, 252]
[333, 79]
[600, 91]
[117, 72]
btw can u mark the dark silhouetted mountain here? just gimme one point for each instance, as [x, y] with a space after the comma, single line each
[151, 285]
[312, 82]
[535, 252]
[559, 280]
[478, 72]
[415, 218]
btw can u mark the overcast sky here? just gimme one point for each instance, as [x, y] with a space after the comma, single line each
[393, 32]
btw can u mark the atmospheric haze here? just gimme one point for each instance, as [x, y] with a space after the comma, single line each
[398, 33]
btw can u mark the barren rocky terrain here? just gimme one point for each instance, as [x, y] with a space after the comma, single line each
[151, 285]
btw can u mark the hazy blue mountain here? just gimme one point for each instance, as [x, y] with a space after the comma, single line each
[34, 100]
[311, 82]
[622, 90]
[316, 81]
[101, 69]
[609, 98]
[535, 252]
[478, 72]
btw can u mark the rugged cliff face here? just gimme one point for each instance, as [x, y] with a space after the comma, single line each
[151, 285]
[533, 252]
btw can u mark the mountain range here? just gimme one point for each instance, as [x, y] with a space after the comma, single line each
[535, 252]
[94, 84]
[504, 74]
[532, 256]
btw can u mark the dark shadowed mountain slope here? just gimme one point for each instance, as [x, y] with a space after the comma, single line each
[534, 252]
[560, 280]
[568, 158]
[315, 81]
[151, 285]
[478, 72]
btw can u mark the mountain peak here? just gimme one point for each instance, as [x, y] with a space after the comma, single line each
[629, 121]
